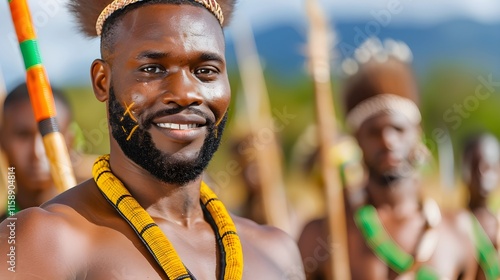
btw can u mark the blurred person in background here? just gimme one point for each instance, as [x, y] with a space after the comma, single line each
[481, 175]
[393, 232]
[244, 152]
[24, 150]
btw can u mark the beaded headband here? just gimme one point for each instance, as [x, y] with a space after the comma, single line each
[377, 50]
[383, 103]
[211, 5]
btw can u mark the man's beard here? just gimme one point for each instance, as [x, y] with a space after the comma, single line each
[405, 170]
[141, 149]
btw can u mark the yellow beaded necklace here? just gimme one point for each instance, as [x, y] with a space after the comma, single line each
[156, 241]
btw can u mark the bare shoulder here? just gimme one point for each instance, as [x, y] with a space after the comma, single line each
[460, 221]
[272, 245]
[270, 239]
[457, 227]
[42, 243]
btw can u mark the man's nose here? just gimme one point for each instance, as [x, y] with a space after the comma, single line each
[182, 89]
[389, 138]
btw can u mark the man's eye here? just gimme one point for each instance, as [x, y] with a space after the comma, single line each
[206, 71]
[153, 69]
[24, 134]
[399, 128]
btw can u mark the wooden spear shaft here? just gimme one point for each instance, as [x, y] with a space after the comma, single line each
[41, 97]
[257, 103]
[319, 58]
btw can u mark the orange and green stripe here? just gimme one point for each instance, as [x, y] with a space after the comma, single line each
[36, 78]
[42, 100]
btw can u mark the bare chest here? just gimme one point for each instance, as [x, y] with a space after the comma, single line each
[118, 255]
[366, 264]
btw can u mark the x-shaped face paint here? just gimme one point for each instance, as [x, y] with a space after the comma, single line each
[129, 112]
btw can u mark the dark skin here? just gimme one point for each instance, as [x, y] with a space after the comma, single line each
[392, 188]
[23, 146]
[92, 241]
[481, 174]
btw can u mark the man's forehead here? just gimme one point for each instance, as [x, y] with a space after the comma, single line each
[19, 112]
[168, 29]
[489, 149]
[387, 118]
[164, 18]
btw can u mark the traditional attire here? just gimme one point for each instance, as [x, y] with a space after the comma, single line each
[380, 80]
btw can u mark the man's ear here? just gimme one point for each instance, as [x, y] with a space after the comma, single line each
[101, 79]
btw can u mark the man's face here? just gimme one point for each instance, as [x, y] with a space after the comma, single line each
[484, 167]
[388, 141]
[23, 145]
[169, 89]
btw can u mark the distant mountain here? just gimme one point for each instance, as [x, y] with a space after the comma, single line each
[280, 46]
[458, 41]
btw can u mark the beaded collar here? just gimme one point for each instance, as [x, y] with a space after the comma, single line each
[231, 263]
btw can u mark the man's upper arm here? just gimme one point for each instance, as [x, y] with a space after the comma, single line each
[36, 244]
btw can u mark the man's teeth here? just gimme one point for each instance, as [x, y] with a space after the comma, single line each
[177, 126]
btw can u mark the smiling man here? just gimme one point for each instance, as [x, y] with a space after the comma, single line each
[147, 213]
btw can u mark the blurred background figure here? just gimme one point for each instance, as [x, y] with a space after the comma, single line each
[393, 232]
[243, 150]
[481, 175]
[24, 150]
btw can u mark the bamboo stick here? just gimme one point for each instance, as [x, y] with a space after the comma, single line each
[41, 97]
[319, 59]
[260, 118]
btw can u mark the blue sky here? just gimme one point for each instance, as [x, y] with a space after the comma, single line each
[67, 55]
[264, 12]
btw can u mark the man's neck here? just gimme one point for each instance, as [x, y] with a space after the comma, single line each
[480, 208]
[398, 196]
[173, 203]
[476, 203]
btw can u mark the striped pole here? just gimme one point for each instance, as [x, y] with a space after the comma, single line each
[41, 97]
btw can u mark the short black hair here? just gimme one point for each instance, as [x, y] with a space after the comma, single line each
[21, 93]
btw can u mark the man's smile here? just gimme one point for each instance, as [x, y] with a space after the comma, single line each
[181, 127]
[177, 126]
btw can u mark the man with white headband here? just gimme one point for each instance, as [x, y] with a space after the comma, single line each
[147, 214]
[392, 232]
